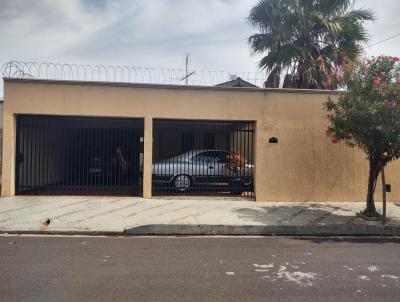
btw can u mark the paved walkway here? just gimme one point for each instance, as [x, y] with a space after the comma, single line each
[112, 215]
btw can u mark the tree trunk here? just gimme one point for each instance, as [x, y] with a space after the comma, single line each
[273, 79]
[373, 176]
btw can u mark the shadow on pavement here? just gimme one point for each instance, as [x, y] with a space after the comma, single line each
[309, 214]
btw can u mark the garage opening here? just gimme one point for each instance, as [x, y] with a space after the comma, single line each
[58, 155]
[214, 158]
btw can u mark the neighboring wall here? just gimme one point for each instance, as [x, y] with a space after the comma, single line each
[303, 166]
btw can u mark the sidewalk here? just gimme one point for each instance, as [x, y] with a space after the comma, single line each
[190, 216]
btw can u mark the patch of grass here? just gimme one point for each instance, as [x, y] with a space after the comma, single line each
[367, 215]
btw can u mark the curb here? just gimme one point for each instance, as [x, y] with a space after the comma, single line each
[229, 230]
[66, 233]
[278, 230]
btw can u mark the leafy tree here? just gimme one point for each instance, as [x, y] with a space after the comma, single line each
[306, 39]
[367, 114]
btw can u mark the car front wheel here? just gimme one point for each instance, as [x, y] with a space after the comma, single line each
[182, 183]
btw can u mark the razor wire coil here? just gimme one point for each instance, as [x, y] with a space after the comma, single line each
[122, 74]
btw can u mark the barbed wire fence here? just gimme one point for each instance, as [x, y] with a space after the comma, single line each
[122, 74]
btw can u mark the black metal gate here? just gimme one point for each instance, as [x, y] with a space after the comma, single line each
[203, 157]
[58, 155]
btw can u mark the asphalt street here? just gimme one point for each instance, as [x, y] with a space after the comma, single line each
[37, 268]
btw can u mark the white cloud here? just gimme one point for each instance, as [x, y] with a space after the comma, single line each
[152, 33]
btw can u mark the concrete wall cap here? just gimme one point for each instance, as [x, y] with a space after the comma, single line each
[176, 87]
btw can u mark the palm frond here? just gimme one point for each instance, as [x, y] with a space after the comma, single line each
[307, 38]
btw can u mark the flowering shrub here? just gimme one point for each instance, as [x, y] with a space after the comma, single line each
[367, 113]
[236, 162]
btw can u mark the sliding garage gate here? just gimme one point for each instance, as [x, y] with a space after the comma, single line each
[203, 157]
[79, 155]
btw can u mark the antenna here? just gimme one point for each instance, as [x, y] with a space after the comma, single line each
[187, 74]
[187, 67]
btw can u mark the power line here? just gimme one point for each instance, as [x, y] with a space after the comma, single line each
[384, 40]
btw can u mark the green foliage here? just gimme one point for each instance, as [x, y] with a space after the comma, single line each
[306, 39]
[367, 114]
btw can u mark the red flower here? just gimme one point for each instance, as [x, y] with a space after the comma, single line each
[383, 93]
[340, 78]
[334, 141]
[393, 104]
[377, 81]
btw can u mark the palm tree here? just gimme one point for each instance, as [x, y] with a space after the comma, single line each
[305, 39]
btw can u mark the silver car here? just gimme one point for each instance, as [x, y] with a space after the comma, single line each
[205, 167]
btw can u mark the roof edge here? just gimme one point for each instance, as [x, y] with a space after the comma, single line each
[170, 86]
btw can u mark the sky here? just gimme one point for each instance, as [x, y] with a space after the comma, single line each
[151, 33]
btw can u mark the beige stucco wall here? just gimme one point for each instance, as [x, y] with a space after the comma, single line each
[303, 166]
